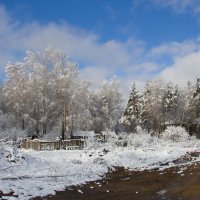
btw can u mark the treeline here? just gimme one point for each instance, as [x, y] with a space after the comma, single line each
[44, 91]
[162, 104]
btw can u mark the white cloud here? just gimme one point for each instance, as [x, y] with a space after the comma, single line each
[175, 49]
[185, 68]
[96, 74]
[101, 60]
[178, 6]
[79, 44]
[84, 45]
[147, 67]
[181, 6]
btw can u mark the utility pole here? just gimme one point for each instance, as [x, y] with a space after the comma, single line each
[65, 116]
[64, 121]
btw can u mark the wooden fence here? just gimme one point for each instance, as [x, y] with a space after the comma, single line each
[54, 145]
[73, 144]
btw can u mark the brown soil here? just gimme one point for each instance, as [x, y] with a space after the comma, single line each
[170, 184]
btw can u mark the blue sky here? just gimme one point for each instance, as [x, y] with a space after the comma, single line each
[110, 19]
[133, 39]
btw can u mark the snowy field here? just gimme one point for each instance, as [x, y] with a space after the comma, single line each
[41, 173]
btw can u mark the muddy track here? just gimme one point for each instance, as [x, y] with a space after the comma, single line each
[171, 184]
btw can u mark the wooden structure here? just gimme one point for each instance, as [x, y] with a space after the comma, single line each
[40, 145]
[73, 144]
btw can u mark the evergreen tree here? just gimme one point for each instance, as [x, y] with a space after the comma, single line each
[133, 112]
[189, 109]
[153, 105]
[196, 97]
[171, 103]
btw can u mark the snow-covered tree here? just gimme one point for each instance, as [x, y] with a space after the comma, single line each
[79, 117]
[112, 101]
[171, 103]
[3, 107]
[16, 90]
[38, 88]
[163, 104]
[44, 92]
[133, 112]
[189, 108]
[152, 117]
[106, 106]
[196, 97]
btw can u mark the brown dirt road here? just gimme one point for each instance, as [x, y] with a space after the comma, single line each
[170, 184]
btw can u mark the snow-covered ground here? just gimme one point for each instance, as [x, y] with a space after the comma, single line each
[42, 173]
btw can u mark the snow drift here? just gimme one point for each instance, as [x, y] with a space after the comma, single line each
[42, 173]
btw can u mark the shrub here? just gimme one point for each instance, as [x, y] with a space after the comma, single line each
[13, 134]
[175, 134]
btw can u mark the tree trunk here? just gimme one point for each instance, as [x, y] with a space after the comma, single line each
[44, 128]
[63, 131]
[72, 127]
[64, 117]
[23, 124]
[37, 130]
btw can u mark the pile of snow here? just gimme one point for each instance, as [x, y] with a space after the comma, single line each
[176, 134]
[9, 154]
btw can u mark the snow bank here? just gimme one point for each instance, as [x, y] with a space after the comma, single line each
[9, 155]
[43, 173]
